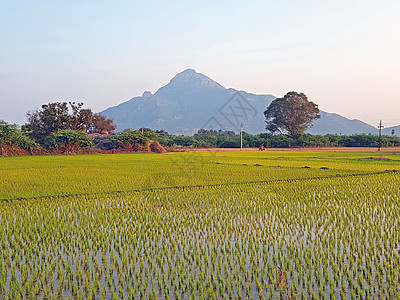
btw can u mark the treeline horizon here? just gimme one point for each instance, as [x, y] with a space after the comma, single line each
[229, 139]
[15, 141]
[64, 128]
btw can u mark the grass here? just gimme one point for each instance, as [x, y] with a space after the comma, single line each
[332, 236]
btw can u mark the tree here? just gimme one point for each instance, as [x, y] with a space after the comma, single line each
[291, 115]
[85, 120]
[102, 125]
[81, 119]
[51, 118]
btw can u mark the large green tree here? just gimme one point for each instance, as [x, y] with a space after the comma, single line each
[291, 115]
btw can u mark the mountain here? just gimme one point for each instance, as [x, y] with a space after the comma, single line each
[331, 123]
[394, 130]
[191, 101]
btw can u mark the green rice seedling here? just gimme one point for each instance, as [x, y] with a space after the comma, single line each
[211, 240]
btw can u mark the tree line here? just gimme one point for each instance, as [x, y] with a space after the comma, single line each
[269, 140]
[63, 127]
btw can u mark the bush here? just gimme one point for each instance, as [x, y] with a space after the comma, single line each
[131, 140]
[67, 141]
[15, 142]
[156, 147]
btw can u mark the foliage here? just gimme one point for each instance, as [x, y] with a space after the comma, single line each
[156, 147]
[134, 140]
[57, 116]
[211, 132]
[102, 125]
[80, 119]
[131, 139]
[67, 141]
[12, 139]
[291, 115]
[275, 141]
[51, 118]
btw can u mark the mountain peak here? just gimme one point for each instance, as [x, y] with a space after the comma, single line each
[188, 71]
[189, 78]
[147, 94]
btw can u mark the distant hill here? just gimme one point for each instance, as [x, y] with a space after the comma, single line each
[331, 123]
[388, 130]
[191, 101]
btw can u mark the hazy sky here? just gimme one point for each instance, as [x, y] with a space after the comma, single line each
[344, 55]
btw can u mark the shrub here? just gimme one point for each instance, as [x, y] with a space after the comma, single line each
[156, 147]
[131, 140]
[15, 142]
[67, 141]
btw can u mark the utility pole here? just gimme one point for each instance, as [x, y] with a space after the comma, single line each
[241, 136]
[380, 135]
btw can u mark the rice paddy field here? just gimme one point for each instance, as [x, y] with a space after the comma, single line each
[207, 225]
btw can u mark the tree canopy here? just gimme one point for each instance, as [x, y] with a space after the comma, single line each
[291, 115]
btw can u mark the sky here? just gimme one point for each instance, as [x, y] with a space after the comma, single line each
[344, 55]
